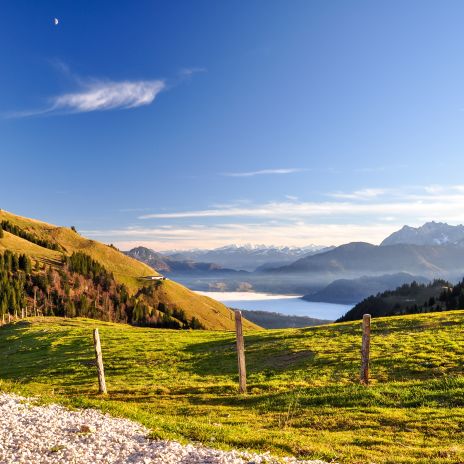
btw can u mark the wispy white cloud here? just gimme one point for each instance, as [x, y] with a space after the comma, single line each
[374, 169]
[291, 197]
[97, 95]
[368, 203]
[363, 194]
[190, 71]
[263, 172]
[108, 95]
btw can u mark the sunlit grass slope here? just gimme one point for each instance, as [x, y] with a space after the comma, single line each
[304, 394]
[19, 245]
[126, 270]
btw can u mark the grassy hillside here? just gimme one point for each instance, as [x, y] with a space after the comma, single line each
[126, 270]
[304, 396]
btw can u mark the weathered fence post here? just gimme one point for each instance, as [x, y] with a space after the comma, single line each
[240, 352]
[35, 301]
[9, 318]
[366, 342]
[99, 359]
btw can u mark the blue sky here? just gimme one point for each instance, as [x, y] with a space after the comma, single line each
[187, 124]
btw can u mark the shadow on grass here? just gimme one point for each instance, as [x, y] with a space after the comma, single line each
[447, 392]
[37, 355]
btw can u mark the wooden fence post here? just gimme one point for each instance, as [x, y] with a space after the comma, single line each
[240, 352]
[366, 342]
[9, 318]
[99, 359]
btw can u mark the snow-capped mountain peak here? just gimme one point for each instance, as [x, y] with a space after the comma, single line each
[431, 233]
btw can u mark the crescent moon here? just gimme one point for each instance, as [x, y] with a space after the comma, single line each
[55, 21]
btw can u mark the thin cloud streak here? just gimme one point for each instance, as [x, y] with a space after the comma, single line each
[100, 95]
[368, 203]
[263, 172]
[364, 194]
[106, 95]
[190, 71]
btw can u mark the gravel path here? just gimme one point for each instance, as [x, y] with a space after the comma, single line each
[52, 434]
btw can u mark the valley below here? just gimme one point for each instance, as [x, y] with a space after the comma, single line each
[291, 305]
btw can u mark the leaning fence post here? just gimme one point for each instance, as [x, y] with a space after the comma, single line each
[240, 352]
[366, 342]
[99, 359]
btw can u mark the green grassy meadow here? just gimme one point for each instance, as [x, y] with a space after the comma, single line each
[304, 398]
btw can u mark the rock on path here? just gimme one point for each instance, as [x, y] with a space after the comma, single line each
[52, 434]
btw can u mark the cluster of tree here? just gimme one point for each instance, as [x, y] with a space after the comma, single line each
[83, 264]
[15, 230]
[175, 318]
[452, 297]
[412, 298]
[82, 287]
[13, 271]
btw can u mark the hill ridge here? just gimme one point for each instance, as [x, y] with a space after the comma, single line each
[126, 270]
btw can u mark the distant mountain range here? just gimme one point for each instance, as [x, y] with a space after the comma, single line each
[246, 257]
[343, 274]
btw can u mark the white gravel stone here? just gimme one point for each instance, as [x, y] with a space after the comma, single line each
[52, 434]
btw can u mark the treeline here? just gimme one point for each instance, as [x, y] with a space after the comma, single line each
[15, 230]
[82, 287]
[412, 298]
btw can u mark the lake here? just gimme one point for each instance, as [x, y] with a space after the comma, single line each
[285, 304]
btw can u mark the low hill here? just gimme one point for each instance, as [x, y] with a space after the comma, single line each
[352, 291]
[168, 265]
[412, 298]
[272, 320]
[304, 395]
[47, 245]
